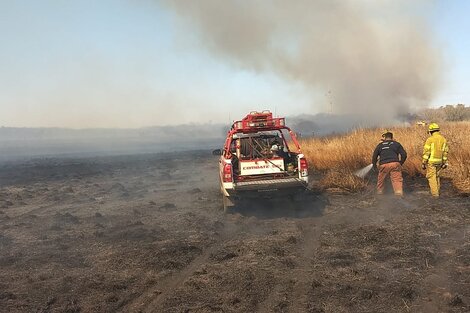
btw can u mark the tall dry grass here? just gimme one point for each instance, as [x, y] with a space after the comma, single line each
[340, 156]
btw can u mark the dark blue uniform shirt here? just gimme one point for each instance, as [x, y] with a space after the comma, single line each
[388, 152]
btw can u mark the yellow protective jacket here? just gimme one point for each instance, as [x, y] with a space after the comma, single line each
[435, 149]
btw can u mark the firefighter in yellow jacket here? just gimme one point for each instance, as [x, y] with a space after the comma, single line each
[434, 158]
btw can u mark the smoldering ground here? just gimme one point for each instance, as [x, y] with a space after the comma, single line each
[374, 59]
[148, 234]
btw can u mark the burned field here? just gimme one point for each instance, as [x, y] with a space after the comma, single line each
[147, 234]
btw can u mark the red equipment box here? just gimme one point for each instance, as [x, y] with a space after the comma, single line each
[259, 120]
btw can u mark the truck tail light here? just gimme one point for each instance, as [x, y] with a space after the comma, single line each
[303, 167]
[227, 178]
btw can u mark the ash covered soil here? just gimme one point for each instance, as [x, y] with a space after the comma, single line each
[147, 234]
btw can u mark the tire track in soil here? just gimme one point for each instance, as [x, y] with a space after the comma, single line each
[151, 300]
[310, 245]
[295, 284]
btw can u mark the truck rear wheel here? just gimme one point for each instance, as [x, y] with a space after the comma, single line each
[228, 204]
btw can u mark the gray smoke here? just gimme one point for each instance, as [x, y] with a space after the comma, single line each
[372, 58]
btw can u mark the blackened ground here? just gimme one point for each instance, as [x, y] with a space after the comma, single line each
[147, 234]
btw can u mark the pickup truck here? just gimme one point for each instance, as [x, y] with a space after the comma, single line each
[261, 158]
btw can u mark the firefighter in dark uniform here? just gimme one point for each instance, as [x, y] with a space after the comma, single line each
[391, 156]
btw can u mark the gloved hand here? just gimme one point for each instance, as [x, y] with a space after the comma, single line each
[444, 166]
[423, 166]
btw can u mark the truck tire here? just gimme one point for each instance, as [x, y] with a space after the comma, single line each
[228, 204]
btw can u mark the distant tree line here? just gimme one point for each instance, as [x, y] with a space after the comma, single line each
[451, 113]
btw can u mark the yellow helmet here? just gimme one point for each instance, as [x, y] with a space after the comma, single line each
[433, 127]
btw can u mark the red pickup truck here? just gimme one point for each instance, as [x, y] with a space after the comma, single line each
[261, 157]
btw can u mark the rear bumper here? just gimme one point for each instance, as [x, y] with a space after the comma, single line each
[267, 187]
[279, 183]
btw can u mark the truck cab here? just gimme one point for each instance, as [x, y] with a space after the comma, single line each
[261, 157]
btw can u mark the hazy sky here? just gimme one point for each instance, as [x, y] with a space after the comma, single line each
[113, 63]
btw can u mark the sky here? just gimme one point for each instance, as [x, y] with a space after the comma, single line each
[451, 27]
[128, 64]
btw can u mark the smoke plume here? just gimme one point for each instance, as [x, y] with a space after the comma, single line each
[369, 58]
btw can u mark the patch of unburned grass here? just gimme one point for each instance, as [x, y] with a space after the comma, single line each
[342, 179]
[339, 156]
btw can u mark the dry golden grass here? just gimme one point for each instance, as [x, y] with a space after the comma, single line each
[342, 179]
[340, 156]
